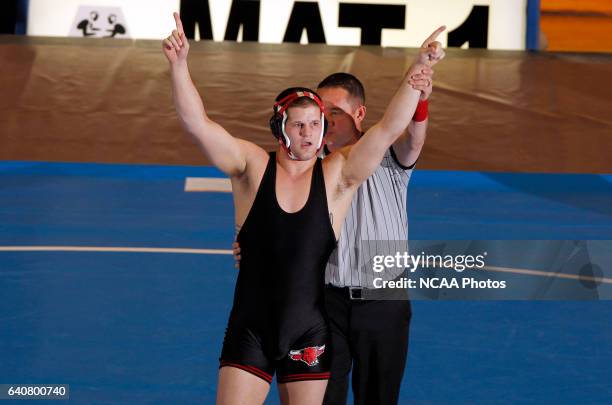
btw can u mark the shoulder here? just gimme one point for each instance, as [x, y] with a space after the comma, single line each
[336, 159]
[252, 150]
[256, 160]
[333, 165]
[333, 161]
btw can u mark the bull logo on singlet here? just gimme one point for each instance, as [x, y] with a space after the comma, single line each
[309, 355]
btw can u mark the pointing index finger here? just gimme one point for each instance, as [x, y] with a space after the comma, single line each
[179, 24]
[433, 36]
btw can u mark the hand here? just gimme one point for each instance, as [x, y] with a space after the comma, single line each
[422, 81]
[426, 92]
[431, 52]
[236, 248]
[176, 46]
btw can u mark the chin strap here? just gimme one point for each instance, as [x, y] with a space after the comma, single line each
[288, 151]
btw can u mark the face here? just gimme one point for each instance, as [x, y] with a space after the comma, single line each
[303, 127]
[344, 115]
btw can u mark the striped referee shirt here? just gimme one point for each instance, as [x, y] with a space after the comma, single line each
[376, 224]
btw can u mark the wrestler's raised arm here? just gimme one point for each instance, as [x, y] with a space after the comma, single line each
[229, 154]
[363, 157]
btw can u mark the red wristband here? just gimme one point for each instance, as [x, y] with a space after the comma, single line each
[421, 111]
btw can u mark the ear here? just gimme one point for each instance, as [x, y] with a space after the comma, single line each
[360, 113]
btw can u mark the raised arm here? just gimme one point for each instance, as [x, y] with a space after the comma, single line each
[408, 147]
[220, 148]
[363, 157]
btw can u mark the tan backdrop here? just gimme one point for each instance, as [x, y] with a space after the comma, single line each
[84, 100]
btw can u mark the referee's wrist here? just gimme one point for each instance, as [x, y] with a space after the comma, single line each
[422, 111]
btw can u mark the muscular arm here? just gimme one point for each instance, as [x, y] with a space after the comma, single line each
[220, 148]
[229, 154]
[365, 155]
[362, 158]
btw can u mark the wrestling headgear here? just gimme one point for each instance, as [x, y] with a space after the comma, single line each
[279, 119]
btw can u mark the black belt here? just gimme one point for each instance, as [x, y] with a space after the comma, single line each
[362, 293]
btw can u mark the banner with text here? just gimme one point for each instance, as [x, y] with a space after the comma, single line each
[492, 24]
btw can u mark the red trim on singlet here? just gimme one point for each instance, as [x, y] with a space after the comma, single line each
[302, 377]
[249, 369]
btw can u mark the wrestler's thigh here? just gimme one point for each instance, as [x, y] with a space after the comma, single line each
[302, 392]
[236, 386]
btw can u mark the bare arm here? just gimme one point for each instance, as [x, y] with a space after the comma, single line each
[220, 148]
[408, 147]
[224, 151]
[366, 154]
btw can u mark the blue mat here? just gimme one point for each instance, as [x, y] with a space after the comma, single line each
[147, 327]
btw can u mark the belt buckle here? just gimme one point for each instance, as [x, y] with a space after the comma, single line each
[356, 293]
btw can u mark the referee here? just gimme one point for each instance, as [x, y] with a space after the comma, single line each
[369, 331]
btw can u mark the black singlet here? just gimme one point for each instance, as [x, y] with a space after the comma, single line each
[280, 286]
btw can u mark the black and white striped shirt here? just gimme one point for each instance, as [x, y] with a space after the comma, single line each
[378, 213]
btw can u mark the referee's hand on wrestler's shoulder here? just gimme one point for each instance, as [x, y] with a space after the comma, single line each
[236, 250]
[176, 45]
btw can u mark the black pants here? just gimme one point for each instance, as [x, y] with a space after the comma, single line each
[371, 336]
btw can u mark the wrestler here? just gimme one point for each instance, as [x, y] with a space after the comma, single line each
[277, 323]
